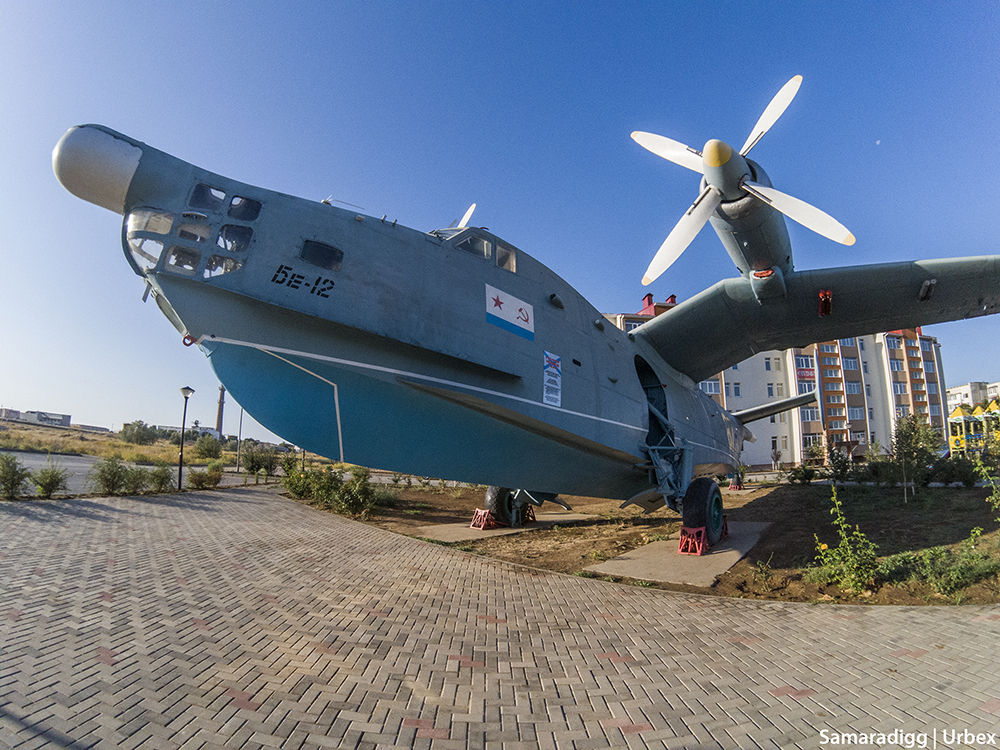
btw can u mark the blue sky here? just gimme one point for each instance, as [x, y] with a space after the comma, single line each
[417, 109]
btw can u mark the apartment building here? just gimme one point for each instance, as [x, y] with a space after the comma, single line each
[864, 385]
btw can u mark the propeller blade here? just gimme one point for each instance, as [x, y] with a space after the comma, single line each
[670, 150]
[682, 234]
[771, 114]
[468, 215]
[806, 215]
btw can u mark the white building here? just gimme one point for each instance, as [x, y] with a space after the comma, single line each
[971, 394]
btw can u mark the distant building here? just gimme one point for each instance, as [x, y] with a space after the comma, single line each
[10, 414]
[971, 394]
[865, 384]
[46, 418]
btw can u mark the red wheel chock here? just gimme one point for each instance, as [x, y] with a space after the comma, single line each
[529, 516]
[736, 484]
[484, 520]
[695, 541]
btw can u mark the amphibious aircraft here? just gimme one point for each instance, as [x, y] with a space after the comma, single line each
[452, 353]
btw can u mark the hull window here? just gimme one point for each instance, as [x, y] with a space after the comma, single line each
[243, 209]
[207, 197]
[323, 256]
[478, 246]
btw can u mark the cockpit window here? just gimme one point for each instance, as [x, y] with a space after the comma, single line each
[319, 254]
[476, 245]
[206, 196]
[234, 238]
[243, 209]
[149, 221]
[183, 260]
[220, 264]
[506, 257]
[194, 232]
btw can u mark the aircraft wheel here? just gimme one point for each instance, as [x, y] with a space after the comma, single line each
[702, 506]
[500, 503]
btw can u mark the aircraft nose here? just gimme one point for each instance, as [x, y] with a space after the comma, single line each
[96, 166]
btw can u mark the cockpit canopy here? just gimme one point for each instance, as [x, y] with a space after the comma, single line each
[480, 243]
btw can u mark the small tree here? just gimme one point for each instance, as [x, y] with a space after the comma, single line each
[913, 449]
[838, 465]
[207, 447]
[138, 433]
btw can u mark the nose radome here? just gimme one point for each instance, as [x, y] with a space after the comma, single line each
[95, 165]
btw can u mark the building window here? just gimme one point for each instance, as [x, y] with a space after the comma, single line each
[911, 342]
[808, 440]
[736, 366]
[736, 390]
[774, 442]
[779, 389]
[709, 386]
[727, 390]
[767, 363]
[858, 437]
[855, 412]
[892, 342]
[896, 365]
[838, 412]
[829, 361]
[850, 363]
[871, 413]
[853, 386]
[899, 388]
[836, 424]
[831, 373]
[777, 364]
[784, 442]
[828, 348]
[804, 362]
[864, 367]
[928, 366]
[847, 342]
[809, 413]
[861, 344]
[833, 387]
[868, 390]
[932, 388]
[925, 344]
[834, 399]
[872, 438]
[903, 411]
[935, 410]
[770, 390]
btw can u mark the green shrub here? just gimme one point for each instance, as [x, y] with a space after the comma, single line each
[108, 477]
[201, 480]
[162, 478]
[137, 479]
[852, 563]
[13, 476]
[289, 463]
[802, 474]
[50, 480]
[328, 489]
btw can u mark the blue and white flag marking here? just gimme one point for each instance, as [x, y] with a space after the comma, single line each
[510, 313]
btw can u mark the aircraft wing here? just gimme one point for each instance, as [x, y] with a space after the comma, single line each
[726, 324]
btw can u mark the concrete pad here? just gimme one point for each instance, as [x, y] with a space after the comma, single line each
[660, 562]
[462, 532]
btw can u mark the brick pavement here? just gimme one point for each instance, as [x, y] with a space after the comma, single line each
[242, 619]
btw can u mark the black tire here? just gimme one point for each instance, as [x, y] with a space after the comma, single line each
[702, 506]
[500, 503]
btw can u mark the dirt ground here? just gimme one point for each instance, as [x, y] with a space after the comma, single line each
[774, 567]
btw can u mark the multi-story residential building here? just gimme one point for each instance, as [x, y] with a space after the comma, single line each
[864, 385]
[971, 394]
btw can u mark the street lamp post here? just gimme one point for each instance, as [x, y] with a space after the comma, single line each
[186, 392]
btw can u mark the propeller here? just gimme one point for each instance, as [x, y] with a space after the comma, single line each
[727, 177]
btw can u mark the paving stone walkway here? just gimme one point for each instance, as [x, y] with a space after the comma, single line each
[241, 619]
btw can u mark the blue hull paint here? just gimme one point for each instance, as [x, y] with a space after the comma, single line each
[453, 441]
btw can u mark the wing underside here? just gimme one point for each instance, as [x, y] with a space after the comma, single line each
[727, 324]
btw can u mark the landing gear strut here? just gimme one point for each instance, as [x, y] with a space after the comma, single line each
[702, 506]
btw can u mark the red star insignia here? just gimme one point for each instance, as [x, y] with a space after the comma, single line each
[497, 302]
